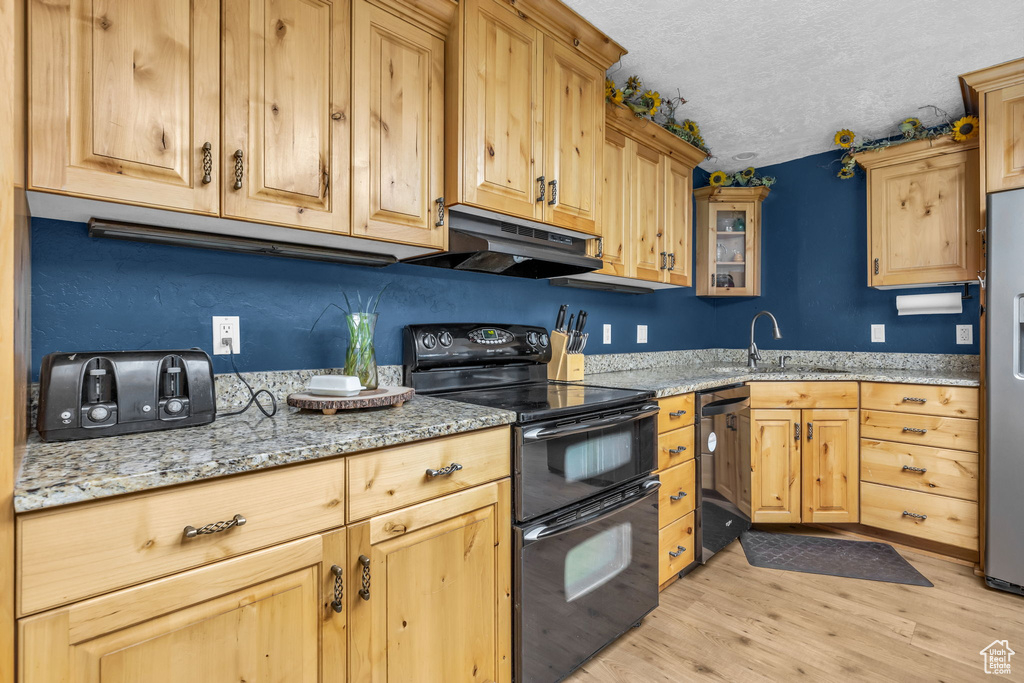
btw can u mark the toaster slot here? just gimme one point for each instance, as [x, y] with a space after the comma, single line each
[99, 394]
[173, 402]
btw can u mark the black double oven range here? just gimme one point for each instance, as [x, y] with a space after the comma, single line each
[584, 499]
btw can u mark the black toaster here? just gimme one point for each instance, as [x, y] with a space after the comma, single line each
[87, 395]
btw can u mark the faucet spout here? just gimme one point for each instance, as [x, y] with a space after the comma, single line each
[753, 354]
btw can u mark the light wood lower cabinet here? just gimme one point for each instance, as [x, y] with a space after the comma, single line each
[259, 617]
[437, 587]
[775, 466]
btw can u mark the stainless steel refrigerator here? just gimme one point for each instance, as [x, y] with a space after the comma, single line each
[1004, 555]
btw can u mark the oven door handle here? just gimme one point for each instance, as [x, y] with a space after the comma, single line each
[725, 406]
[543, 433]
[540, 532]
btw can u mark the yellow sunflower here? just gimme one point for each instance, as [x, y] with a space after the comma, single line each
[611, 93]
[718, 178]
[844, 138]
[633, 83]
[965, 128]
[912, 122]
[655, 98]
[691, 127]
[845, 173]
[748, 172]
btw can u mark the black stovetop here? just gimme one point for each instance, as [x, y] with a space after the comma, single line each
[547, 400]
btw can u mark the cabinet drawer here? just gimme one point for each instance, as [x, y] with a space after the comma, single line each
[386, 480]
[920, 430]
[675, 447]
[67, 555]
[803, 395]
[677, 537]
[921, 399]
[947, 520]
[676, 496]
[945, 472]
[676, 412]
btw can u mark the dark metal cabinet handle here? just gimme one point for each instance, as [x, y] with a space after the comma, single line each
[444, 471]
[554, 193]
[810, 431]
[600, 248]
[207, 163]
[239, 169]
[440, 212]
[679, 551]
[911, 468]
[796, 431]
[364, 592]
[672, 261]
[540, 183]
[876, 266]
[915, 430]
[677, 413]
[911, 399]
[680, 496]
[915, 515]
[664, 260]
[215, 528]
[339, 588]
[677, 451]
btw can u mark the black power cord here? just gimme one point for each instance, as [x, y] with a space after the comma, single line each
[253, 395]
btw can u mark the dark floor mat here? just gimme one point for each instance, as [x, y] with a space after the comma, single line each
[829, 556]
[719, 526]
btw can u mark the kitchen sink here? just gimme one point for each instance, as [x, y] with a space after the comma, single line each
[776, 370]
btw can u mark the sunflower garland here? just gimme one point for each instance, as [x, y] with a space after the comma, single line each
[649, 104]
[907, 130]
[746, 178]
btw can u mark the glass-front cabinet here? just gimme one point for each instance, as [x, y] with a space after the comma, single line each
[729, 240]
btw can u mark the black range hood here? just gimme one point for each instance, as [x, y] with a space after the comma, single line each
[484, 244]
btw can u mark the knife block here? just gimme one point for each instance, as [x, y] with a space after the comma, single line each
[564, 366]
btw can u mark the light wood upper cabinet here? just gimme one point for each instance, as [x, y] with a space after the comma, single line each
[775, 466]
[573, 136]
[259, 617]
[615, 247]
[997, 95]
[831, 469]
[729, 240]
[923, 213]
[678, 222]
[647, 199]
[437, 581]
[398, 129]
[123, 98]
[285, 151]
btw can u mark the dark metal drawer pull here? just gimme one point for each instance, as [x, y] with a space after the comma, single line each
[677, 413]
[911, 468]
[540, 183]
[796, 431]
[677, 451]
[911, 399]
[215, 528]
[364, 592]
[682, 494]
[239, 170]
[339, 588]
[915, 430]
[810, 431]
[207, 163]
[445, 471]
[676, 553]
[914, 515]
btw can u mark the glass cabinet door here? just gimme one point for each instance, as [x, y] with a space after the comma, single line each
[733, 255]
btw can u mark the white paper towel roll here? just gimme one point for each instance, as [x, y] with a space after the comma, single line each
[925, 304]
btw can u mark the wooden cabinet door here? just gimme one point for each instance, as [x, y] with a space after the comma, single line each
[923, 220]
[735, 253]
[616, 243]
[501, 111]
[285, 151]
[678, 222]
[123, 96]
[264, 616]
[573, 137]
[398, 129]
[831, 469]
[775, 466]
[1004, 139]
[647, 194]
[437, 582]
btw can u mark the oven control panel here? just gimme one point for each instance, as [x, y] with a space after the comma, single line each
[490, 335]
[447, 345]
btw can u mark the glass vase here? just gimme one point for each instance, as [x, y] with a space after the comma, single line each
[360, 359]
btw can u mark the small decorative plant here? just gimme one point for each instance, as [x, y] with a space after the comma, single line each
[649, 104]
[748, 177]
[361, 320]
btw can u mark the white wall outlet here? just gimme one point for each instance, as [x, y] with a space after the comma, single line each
[226, 327]
[606, 331]
[641, 334]
[878, 333]
[965, 334]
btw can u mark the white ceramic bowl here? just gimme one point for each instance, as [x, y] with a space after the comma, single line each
[334, 385]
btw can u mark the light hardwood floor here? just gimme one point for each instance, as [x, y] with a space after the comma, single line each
[730, 621]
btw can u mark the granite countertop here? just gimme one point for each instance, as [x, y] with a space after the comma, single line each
[74, 471]
[682, 379]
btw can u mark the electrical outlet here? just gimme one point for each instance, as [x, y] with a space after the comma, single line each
[226, 327]
[641, 334]
[965, 334]
[606, 331]
[878, 333]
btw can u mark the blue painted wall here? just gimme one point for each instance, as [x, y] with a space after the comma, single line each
[814, 274]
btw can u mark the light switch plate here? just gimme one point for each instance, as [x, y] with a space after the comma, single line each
[965, 334]
[878, 333]
[641, 334]
[606, 331]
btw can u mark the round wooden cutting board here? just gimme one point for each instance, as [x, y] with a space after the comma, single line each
[370, 398]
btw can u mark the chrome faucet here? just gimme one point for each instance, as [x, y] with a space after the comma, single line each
[753, 355]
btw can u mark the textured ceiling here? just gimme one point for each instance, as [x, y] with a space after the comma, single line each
[779, 77]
